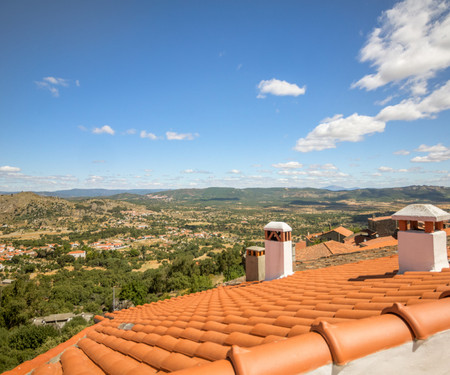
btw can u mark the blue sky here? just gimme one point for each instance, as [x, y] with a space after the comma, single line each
[179, 94]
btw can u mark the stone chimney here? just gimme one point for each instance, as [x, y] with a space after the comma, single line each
[422, 249]
[255, 263]
[278, 244]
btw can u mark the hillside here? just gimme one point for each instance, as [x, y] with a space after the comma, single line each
[306, 196]
[32, 209]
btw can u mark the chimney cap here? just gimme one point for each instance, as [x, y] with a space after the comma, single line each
[278, 226]
[256, 248]
[422, 212]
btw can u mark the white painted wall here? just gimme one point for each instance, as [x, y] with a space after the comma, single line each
[420, 251]
[419, 357]
[278, 259]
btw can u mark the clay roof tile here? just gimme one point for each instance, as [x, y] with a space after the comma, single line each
[212, 351]
[342, 303]
[419, 317]
[243, 339]
[177, 361]
[358, 338]
[186, 347]
[155, 357]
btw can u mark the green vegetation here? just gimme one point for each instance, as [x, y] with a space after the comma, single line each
[25, 342]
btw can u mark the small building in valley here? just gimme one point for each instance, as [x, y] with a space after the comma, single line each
[338, 234]
[383, 226]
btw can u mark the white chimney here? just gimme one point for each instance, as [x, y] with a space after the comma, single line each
[278, 244]
[422, 249]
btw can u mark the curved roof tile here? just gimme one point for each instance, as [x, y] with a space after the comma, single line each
[267, 324]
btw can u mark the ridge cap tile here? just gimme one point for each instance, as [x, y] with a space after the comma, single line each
[418, 316]
[358, 338]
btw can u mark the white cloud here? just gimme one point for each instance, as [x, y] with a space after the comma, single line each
[131, 131]
[151, 136]
[105, 129]
[436, 154]
[315, 171]
[279, 88]
[292, 173]
[414, 109]
[99, 161]
[327, 166]
[327, 174]
[401, 152]
[385, 169]
[171, 136]
[20, 181]
[436, 148]
[288, 165]
[338, 129]
[53, 84]
[195, 171]
[77, 83]
[95, 179]
[82, 128]
[411, 44]
[234, 171]
[385, 100]
[56, 81]
[7, 168]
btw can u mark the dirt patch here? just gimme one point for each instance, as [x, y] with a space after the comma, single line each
[150, 265]
[31, 235]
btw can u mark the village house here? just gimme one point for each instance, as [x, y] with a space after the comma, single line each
[383, 226]
[338, 234]
[77, 254]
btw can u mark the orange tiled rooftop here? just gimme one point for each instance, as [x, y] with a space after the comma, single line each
[313, 319]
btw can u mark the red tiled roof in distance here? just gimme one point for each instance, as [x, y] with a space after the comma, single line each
[342, 230]
[380, 218]
[312, 252]
[379, 242]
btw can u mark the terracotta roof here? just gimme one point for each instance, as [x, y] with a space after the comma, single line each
[284, 326]
[312, 252]
[376, 243]
[342, 230]
[340, 248]
[380, 218]
[328, 248]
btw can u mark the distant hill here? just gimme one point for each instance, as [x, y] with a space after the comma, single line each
[306, 196]
[35, 209]
[93, 193]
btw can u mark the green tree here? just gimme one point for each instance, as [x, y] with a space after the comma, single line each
[134, 291]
